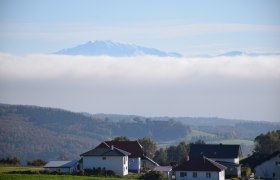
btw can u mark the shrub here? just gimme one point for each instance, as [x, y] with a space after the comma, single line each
[153, 175]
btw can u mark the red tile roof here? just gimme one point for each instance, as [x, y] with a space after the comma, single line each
[200, 164]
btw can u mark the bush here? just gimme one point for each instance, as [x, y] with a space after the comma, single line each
[37, 162]
[153, 175]
[246, 172]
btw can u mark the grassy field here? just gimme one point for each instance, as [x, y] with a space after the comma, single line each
[235, 141]
[196, 133]
[49, 177]
[5, 170]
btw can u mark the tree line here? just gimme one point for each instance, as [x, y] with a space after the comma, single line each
[264, 143]
[16, 161]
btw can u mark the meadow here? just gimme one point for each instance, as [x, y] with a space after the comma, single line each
[6, 170]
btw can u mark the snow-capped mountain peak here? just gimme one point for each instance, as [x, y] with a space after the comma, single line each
[110, 48]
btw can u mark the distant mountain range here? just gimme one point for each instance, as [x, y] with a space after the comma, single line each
[109, 48]
[240, 53]
[237, 53]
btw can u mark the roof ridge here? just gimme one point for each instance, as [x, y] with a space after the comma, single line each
[216, 164]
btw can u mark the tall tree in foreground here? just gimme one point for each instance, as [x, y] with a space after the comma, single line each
[268, 143]
[161, 157]
[149, 146]
[121, 138]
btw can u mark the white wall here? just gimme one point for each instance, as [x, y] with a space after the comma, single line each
[134, 164]
[267, 168]
[201, 175]
[118, 164]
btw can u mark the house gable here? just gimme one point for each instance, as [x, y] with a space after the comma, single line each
[200, 164]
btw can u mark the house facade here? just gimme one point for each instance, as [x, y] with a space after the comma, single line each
[108, 158]
[269, 168]
[62, 166]
[136, 159]
[200, 168]
[227, 155]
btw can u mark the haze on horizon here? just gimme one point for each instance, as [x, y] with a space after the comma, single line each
[239, 87]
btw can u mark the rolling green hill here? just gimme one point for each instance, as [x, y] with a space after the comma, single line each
[32, 132]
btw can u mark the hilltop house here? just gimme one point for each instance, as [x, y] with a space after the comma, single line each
[200, 168]
[107, 158]
[136, 159]
[62, 166]
[227, 155]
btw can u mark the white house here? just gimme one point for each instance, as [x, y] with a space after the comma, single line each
[225, 154]
[108, 158]
[136, 159]
[200, 168]
[269, 168]
[62, 166]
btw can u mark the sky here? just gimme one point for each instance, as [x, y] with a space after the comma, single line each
[240, 87]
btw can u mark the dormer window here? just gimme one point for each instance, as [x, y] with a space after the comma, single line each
[104, 158]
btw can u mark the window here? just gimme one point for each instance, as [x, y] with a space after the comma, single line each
[183, 174]
[273, 175]
[124, 160]
[104, 158]
[194, 174]
[208, 174]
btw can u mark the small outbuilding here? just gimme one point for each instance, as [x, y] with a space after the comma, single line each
[62, 166]
[165, 170]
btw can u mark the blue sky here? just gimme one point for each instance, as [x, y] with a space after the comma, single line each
[242, 87]
[188, 27]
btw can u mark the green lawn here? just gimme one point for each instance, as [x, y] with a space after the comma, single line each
[49, 177]
[4, 170]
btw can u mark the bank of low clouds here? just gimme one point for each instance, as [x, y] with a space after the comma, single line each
[140, 69]
[241, 87]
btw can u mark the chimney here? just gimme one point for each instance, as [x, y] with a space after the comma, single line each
[112, 147]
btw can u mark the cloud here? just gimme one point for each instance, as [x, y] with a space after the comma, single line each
[233, 87]
[141, 69]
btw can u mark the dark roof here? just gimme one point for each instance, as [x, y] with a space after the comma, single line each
[61, 164]
[133, 147]
[214, 150]
[107, 151]
[200, 164]
[257, 159]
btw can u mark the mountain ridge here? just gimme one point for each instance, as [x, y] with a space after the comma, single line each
[114, 49]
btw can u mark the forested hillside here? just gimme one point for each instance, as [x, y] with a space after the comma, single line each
[32, 132]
